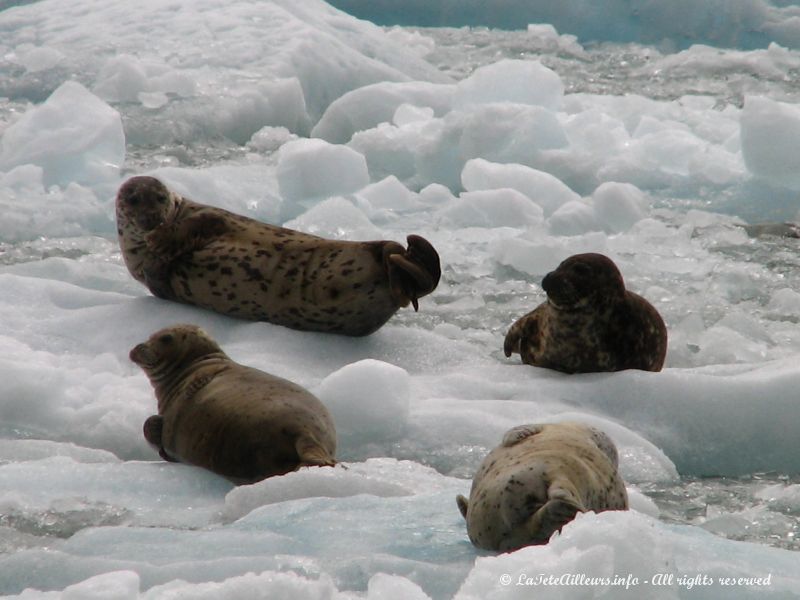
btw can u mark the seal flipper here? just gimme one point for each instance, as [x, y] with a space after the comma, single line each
[152, 429]
[523, 338]
[169, 243]
[312, 454]
[414, 272]
[561, 507]
[519, 433]
[156, 278]
[463, 505]
[606, 444]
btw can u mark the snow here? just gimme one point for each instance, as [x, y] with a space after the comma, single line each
[300, 115]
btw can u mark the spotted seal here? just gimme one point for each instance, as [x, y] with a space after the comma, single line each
[589, 322]
[236, 421]
[206, 256]
[537, 480]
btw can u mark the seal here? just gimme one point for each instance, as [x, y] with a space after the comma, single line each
[233, 420]
[589, 322]
[209, 257]
[537, 480]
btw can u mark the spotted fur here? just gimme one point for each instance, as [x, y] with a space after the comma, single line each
[236, 421]
[206, 256]
[589, 322]
[537, 480]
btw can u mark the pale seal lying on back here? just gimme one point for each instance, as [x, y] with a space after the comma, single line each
[206, 256]
[537, 480]
[589, 322]
[236, 421]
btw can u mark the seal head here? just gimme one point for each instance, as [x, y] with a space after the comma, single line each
[146, 202]
[584, 280]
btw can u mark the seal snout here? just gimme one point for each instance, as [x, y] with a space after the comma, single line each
[549, 282]
[559, 289]
[137, 353]
[143, 355]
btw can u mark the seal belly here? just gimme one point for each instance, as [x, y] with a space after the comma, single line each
[302, 283]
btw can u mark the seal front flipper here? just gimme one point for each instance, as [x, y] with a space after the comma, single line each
[463, 505]
[523, 338]
[414, 272]
[170, 241]
[157, 277]
[152, 429]
[312, 454]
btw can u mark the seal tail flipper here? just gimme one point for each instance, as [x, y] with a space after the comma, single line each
[463, 505]
[561, 507]
[414, 272]
[312, 454]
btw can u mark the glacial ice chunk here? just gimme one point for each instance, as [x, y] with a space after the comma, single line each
[74, 136]
[545, 189]
[313, 168]
[369, 400]
[516, 81]
[492, 208]
[619, 205]
[771, 140]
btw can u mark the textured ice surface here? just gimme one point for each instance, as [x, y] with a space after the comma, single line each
[655, 158]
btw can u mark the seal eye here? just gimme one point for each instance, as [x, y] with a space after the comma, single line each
[165, 339]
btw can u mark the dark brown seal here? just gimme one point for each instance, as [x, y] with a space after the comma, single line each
[537, 480]
[589, 322]
[236, 421]
[206, 256]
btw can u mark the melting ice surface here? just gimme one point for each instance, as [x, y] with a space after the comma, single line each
[509, 151]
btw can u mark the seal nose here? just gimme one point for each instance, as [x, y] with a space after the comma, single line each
[135, 353]
[549, 282]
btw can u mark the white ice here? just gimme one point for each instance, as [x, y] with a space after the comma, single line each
[507, 174]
